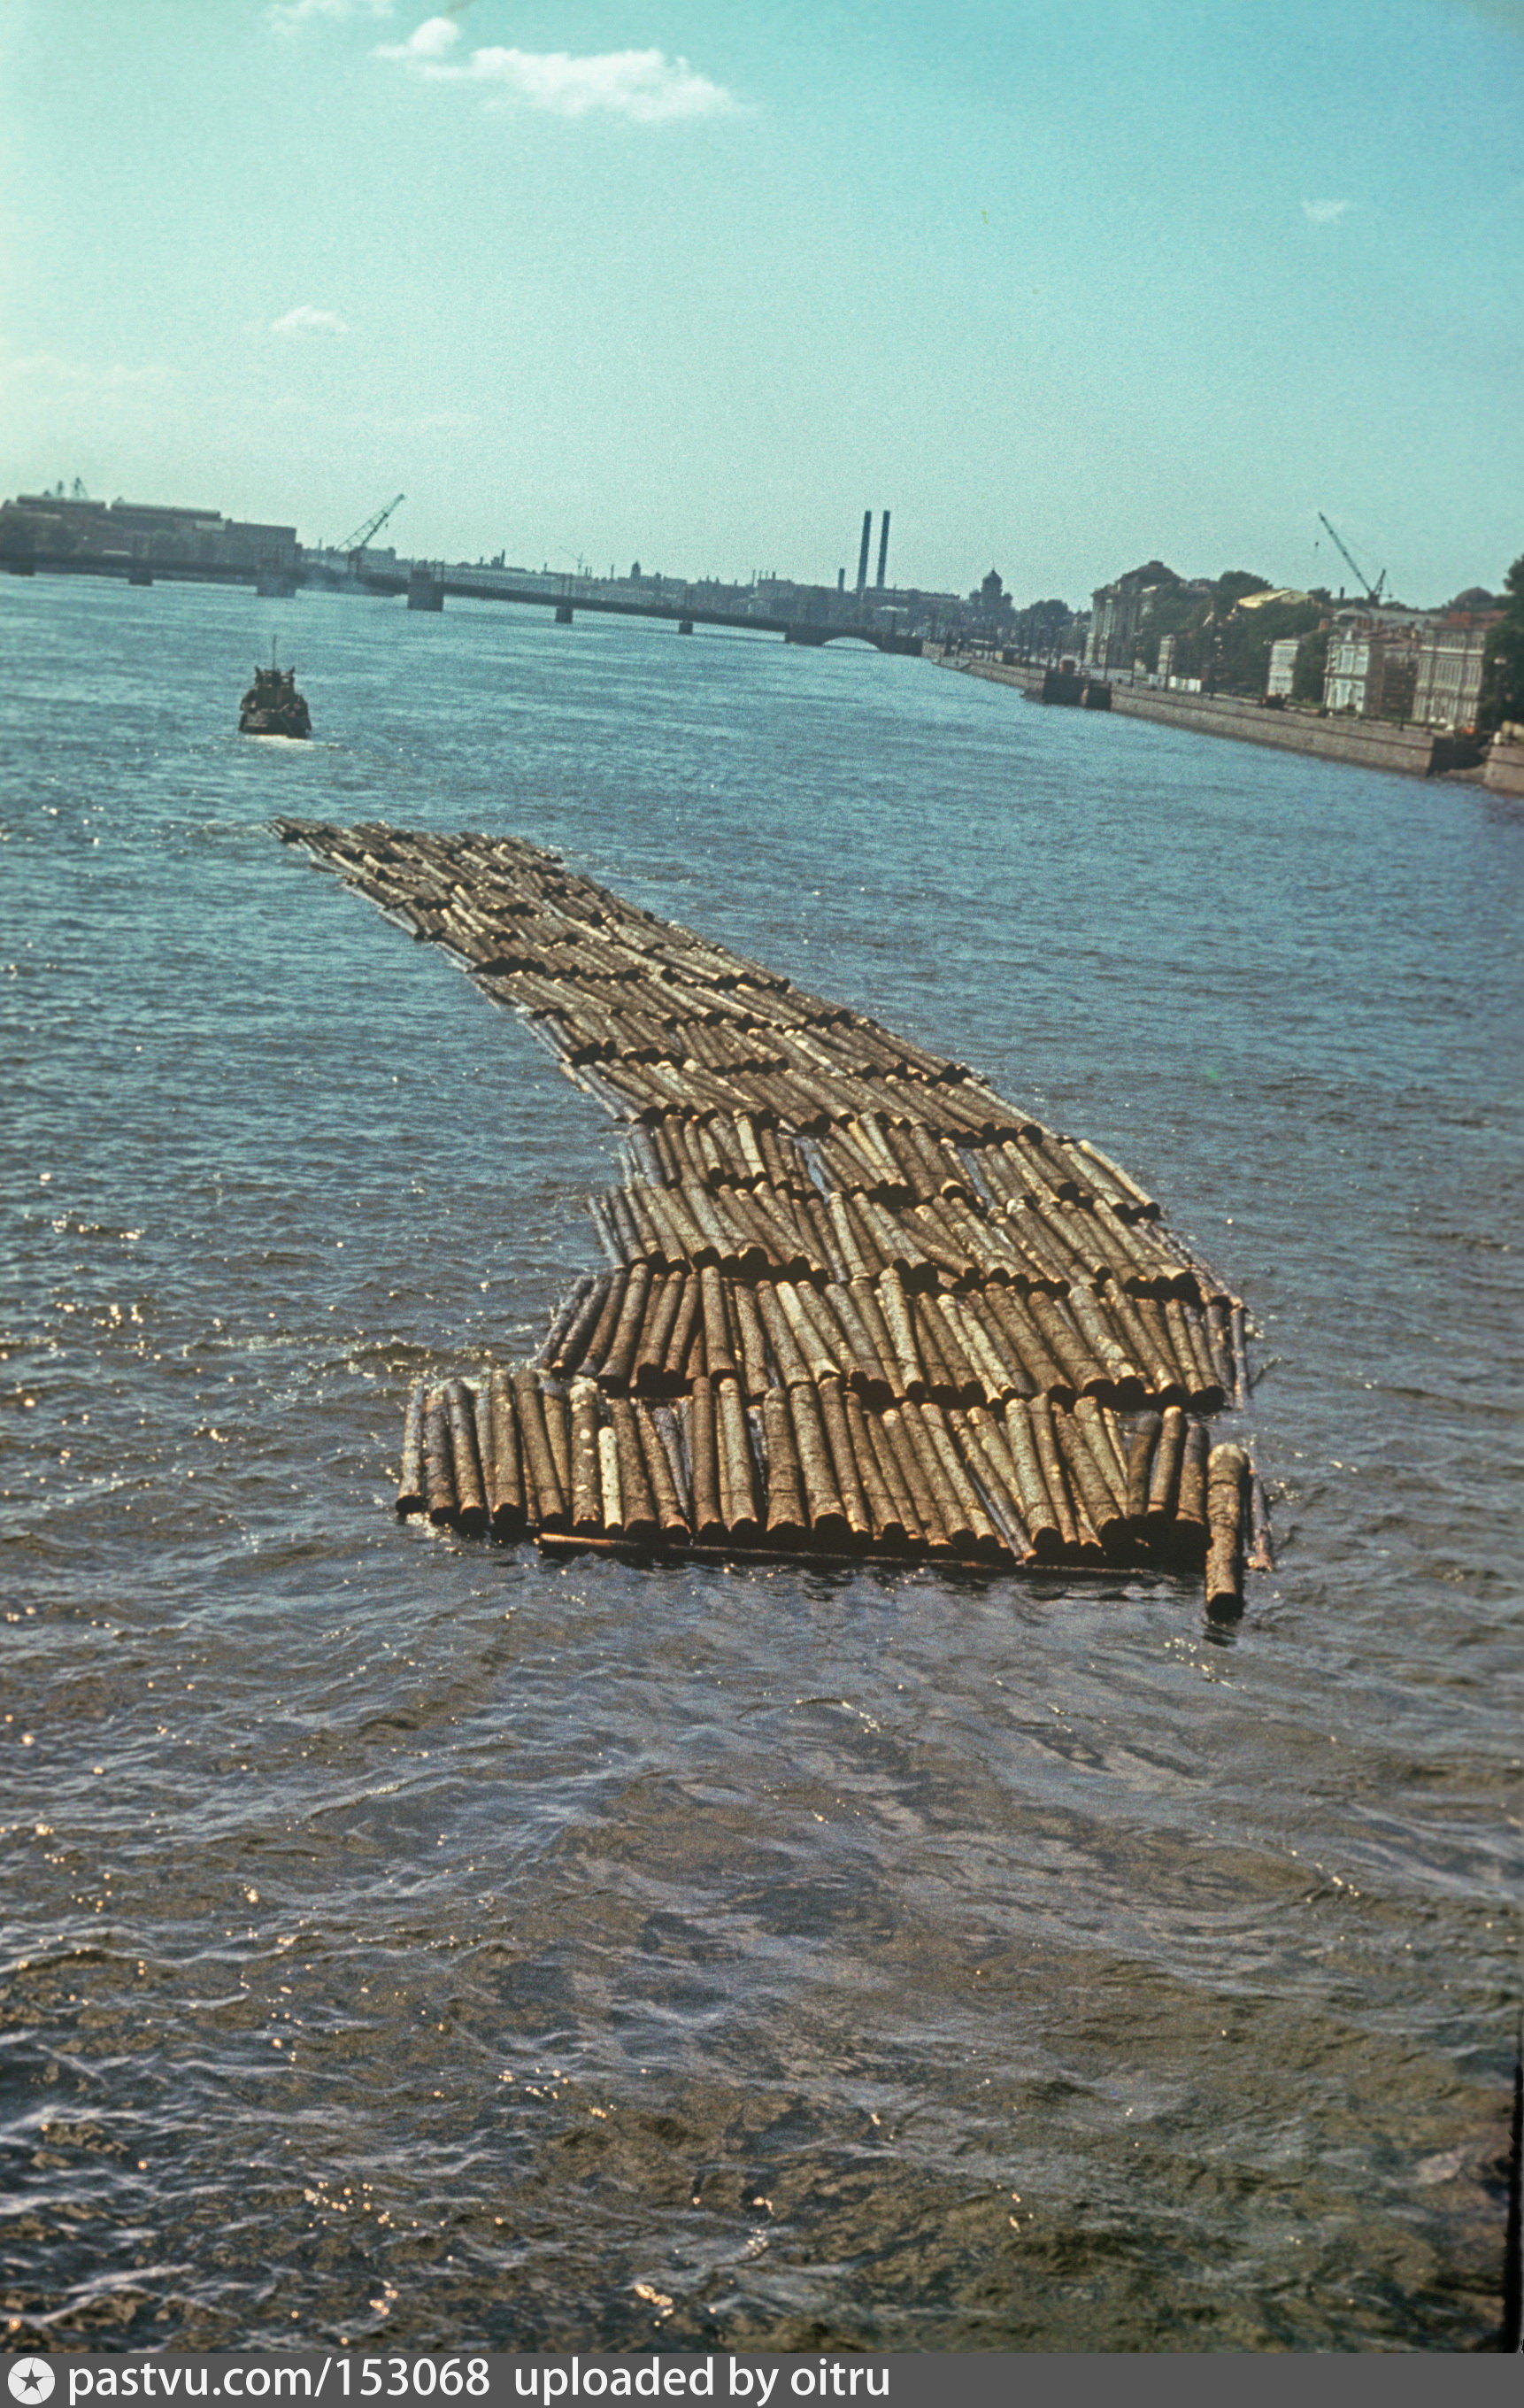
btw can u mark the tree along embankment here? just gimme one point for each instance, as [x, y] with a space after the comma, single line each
[1368, 744]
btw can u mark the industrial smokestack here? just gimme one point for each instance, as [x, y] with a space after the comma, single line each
[883, 551]
[841, 580]
[863, 552]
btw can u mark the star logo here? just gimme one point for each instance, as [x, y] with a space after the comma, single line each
[30, 2379]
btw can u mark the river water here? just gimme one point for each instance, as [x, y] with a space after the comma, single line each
[411, 1942]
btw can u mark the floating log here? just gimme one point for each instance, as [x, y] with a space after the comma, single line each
[502, 1463]
[1260, 1556]
[666, 1495]
[703, 1465]
[720, 1354]
[438, 1460]
[542, 1477]
[1238, 1330]
[566, 1320]
[1164, 1478]
[822, 1495]
[617, 1370]
[470, 1496]
[412, 1496]
[576, 1338]
[587, 1500]
[738, 1475]
[843, 1456]
[1226, 1471]
[787, 1513]
[792, 1367]
[923, 1496]
[1189, 1535]
[948, 1301]
[885, 1522]
[1140, 1458]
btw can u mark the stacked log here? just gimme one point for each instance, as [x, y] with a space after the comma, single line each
[854, 1301]
[816, 1464]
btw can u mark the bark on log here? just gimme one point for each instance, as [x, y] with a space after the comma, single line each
[1261, 1549]
[941, 1381]
[1140, 1460]
[1164, 1478]
[587, 1498]
[687, 1337]
[470, 1496]
[793, 1370]
[849, 1485]
[438, 1460]
[1128, 1387]
[827, 1513]
[885, 1522]
[981, 1429]
[1238, 1329]
[502, 1458]
[788, 1516]
[1219, 1342]
[819, 1340]
[663, 1442]
[661, 1310]
[1088, 1488]
[566, 1320]
[1064, 1343]
[703, 1455]
[737, 1476]
[638, 1504]
[1226, 1471]
[577, 1336]
[1045, 1446]
[617, 1367]
[1190, 1532]
[985, 1540]
[1187, 1323]
[923, 1496]
[894, 1306]
[720, 1354]
[1089, 1419]
[902, 1502]
[411, 1494]
[752, 1342]
[601, 1337]
[543, 1479]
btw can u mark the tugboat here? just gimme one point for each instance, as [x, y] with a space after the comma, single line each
[272, 706]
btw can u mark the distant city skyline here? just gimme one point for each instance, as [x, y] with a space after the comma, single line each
[699, 287]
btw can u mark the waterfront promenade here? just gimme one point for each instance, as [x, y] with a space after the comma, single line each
[1365, 743]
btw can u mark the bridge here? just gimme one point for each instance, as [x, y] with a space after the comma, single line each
[427, 589]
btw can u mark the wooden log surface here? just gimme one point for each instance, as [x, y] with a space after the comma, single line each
[941, 1260]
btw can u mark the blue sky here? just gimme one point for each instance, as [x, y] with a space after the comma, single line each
[1063, 288]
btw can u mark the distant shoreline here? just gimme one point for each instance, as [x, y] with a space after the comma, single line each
[1364, 744]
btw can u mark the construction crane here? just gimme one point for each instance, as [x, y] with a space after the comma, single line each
[1372, 592]
[355, 544]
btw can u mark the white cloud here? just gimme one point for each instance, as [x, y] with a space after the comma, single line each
[644, 85]
[48, 370]
[286, 15]
[304, 319]
[1323, 212]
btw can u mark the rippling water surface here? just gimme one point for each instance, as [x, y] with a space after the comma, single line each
[405, 1939]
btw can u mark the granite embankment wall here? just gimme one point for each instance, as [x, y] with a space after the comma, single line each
[1411, 751]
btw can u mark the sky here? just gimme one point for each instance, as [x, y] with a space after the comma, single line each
[698, 282]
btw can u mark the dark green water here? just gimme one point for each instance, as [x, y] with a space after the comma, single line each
[407, 1941]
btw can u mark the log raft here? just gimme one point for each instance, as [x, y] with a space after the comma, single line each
[855, 1302]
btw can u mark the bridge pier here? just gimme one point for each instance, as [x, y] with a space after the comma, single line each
[685, 626]
[424, 593]
[563, 614]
